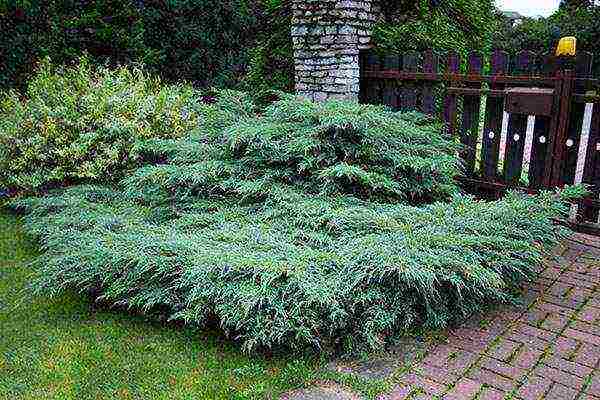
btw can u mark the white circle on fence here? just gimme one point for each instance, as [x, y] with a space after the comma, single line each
[516, 137]
[570, 143]
[542, 139]
[491, 135]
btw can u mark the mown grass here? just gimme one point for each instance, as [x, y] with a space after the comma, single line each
[65, 348]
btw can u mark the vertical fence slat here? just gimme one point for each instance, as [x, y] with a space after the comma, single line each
[469, 128]
[571, 145]
[539, 149]
[372, 89]
[539, 165]
[591, 170]
[517, 128]
[390, 91]
[515, 148]
[408, 92]
[493, 119]
[549, 64]
[430, 66]
[583, 64]
[583, 68]
[450, 101]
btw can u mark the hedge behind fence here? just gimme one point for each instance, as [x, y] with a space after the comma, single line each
[203, 41]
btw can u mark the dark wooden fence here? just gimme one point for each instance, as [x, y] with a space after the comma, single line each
[472, 97]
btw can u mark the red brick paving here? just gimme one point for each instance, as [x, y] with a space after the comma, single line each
[547, 349]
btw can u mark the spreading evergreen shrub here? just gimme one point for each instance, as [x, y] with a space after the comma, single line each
[293, 270]
[294, 228]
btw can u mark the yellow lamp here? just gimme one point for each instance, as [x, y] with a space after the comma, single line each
[567, 46]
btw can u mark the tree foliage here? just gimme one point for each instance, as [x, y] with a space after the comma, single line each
[542, 35]
[452, 25]
[201, 41]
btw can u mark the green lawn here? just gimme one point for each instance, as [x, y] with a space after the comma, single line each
[64, 349]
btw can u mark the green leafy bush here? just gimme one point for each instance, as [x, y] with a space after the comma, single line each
[83, 123]
[290, 229]
[271, 62]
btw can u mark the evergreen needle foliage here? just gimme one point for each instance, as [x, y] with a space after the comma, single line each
[295, 228]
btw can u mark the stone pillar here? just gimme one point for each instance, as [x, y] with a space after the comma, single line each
[327, 36]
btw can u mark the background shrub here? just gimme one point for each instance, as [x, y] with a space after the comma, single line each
[81, 122]
[204, 42]
[335, 147]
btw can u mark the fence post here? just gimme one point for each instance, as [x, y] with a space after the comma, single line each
[557, 147]
[450, 102]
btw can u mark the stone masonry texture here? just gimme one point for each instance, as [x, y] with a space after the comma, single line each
[328, 36]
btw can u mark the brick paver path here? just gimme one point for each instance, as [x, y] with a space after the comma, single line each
[548, 348]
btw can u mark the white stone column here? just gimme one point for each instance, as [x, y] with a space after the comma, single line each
[327, 36]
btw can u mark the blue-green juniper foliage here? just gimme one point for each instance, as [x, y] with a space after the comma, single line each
[326, 225]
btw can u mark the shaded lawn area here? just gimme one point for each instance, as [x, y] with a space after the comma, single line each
[63, 348]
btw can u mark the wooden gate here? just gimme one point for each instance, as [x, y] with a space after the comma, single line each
[478, 97]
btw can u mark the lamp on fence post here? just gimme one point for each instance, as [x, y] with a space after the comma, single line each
[566, 52]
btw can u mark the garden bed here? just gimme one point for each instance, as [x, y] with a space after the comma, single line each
[334, 225]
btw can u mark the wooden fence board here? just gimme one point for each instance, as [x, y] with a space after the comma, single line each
[591, 170]
[450, 101]
[390, 91]
[517, 127]
[408, 91]
[469, 128]
[372, 87]
[583, 68]
[515, 148]
[493, 119]
[539, 150]
[430, 66]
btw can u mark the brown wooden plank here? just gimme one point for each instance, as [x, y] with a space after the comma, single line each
[430, 66]
[537, 81]
[558, 132]
[591, 170]
[549, 65]
[525, 63]
[390, 87]
[373, 62]
[517, 127]
[408, 91]
[469, 128]
[571, 144]
[539, 150]
[450, 101]
[583, 68]
[583, 64]
[515, 146]
[371, 93]
[493, 120]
